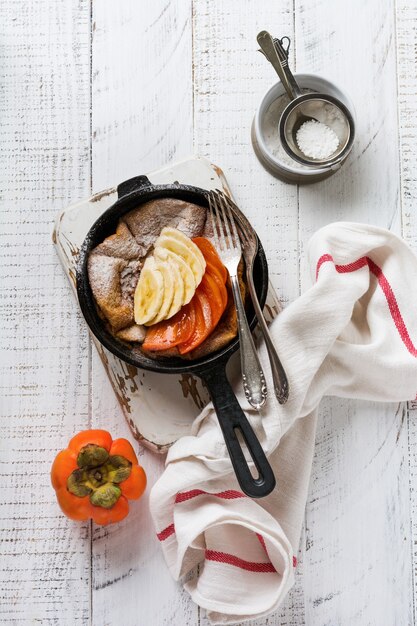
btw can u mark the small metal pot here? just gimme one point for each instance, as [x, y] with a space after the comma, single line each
[266, 140]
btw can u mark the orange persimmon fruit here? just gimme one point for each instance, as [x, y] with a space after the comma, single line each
[95, 477]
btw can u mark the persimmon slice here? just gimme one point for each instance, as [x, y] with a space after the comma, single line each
[210, 288]
[195, 321]
[172, 332]
[211, 256]
[212, 271]
[203, 323]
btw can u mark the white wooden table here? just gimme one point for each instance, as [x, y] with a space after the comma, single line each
[94, 92]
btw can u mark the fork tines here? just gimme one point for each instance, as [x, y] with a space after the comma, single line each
[224, 227]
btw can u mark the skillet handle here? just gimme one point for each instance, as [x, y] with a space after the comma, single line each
[133, 184]
[232, 420]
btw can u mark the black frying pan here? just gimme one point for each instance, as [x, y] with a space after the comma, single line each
[212, 368]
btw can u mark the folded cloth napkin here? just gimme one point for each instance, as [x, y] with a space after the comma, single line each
[350, 335]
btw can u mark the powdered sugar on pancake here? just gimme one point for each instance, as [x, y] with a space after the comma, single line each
[146, 222]
[114, 265]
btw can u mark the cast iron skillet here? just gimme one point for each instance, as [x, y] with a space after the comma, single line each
[211, 369]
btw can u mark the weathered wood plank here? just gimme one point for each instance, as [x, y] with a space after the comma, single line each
[407, 98]
[44, 147]
[357, 520]
[141, 119]
[141, 87]
[354, 45]
[357, 528]
[230, 78]
[412, 446]
[406, 21]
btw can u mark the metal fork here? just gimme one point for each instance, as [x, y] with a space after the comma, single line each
[249, 242]
[228, 245]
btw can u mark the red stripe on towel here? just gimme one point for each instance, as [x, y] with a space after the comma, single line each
[386, 288]
[167, 532]
[230, 494]
[342, 269]
[231, 559]
[262, 542]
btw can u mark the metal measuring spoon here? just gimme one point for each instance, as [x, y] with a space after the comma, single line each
[277, 55]
[306, 107]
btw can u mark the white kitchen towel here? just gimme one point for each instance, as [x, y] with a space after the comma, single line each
[352, 334]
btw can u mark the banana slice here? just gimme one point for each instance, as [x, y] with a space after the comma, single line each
[168, 291]
[185, 270]
[169, 278]
[149, 293]
[184, 251]
[178, 299]
[177, 234]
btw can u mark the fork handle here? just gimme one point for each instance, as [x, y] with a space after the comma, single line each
[279, 376]
[254, 384]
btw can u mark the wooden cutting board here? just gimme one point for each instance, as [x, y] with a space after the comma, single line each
[159, 408]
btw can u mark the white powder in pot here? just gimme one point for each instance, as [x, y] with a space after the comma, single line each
[316, 140]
